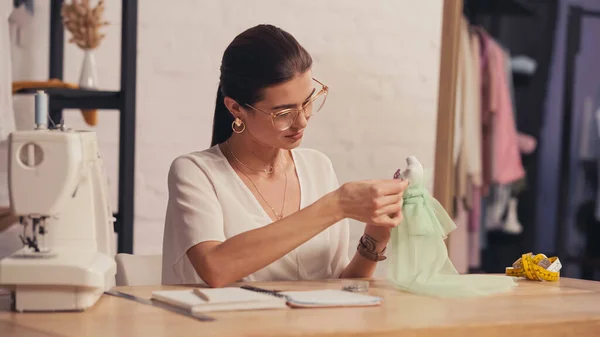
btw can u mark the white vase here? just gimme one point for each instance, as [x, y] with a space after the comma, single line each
[89, 74]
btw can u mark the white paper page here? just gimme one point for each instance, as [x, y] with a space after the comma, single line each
[215, 296]
[331, 297]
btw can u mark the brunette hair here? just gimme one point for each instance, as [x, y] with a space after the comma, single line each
[259, 57]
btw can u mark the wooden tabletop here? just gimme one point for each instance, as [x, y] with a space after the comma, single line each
[568, 307]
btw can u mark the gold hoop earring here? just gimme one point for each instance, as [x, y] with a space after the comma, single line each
[238, 123]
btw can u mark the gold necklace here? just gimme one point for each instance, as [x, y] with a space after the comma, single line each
[270, 169]
[279, 215]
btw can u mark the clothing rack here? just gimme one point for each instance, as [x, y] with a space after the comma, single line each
[492, 10]
[502, 248]
[122, 100]
[574, 22]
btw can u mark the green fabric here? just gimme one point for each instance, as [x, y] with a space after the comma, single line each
[418, 260]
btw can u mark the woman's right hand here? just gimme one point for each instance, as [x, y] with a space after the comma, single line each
[376, 202]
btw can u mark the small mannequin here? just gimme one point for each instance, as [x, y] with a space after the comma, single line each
[418, 257]
[512, 224]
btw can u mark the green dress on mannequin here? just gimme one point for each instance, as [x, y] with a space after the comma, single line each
[418, 260]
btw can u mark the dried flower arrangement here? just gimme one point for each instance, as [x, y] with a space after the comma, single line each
[84, 22]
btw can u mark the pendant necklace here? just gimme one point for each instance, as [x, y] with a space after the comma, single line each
[268, 170]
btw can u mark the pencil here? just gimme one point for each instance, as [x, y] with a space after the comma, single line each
[200, 294]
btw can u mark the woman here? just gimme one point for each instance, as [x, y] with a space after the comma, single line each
[256, 207]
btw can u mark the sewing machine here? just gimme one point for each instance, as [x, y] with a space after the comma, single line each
[59, 190]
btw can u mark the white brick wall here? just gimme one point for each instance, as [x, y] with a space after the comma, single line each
[380, 59]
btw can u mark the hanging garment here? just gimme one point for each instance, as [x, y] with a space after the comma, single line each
[7, 115]
[475, 213]
[4, 198]
[468, 168]
[519, 184]
[474, 252]
[527, 143]
[483, 232]
[458, 103]
[510, 81]
[506, 156]
[458, 242]
[418, 259]
[488, 105]
[474, 115]
[474, 220]
[474, 228]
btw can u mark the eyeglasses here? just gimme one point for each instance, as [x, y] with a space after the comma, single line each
[284, 119]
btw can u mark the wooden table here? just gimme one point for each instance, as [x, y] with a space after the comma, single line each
[567, 308]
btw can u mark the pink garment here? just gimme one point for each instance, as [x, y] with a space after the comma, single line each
[474, 226]
[527, 143]
[474, 251]
[488, 105]
[458, 241]
[475, 212]
[506, 156]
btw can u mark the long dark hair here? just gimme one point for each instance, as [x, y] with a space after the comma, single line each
[259, 57]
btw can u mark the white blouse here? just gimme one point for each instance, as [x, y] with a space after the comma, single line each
[209, 202]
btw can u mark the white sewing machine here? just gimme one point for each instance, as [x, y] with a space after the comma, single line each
[59, 189]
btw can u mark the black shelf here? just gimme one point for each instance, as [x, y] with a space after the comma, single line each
[66, 98]
[521, 78]
[122, 100]
[496, 8]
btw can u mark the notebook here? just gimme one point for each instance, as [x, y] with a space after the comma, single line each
[219, 299]
[232, 299]
[329, 298]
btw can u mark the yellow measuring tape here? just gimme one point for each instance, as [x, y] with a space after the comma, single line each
[536, 267]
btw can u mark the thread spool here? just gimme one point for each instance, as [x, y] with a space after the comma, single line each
[41, 110]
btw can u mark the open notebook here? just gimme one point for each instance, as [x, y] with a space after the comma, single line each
[232, 298]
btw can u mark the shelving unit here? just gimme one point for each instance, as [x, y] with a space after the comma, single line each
[62, 98]
[122, 100]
